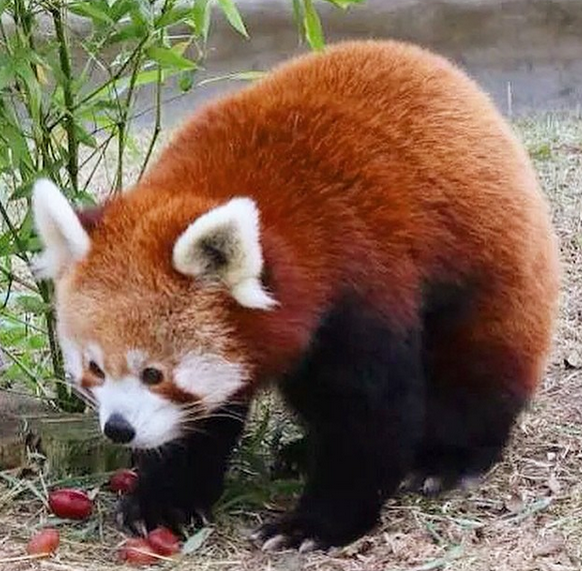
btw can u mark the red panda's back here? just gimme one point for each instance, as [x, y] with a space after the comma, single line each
[382, 167]
[371, 147]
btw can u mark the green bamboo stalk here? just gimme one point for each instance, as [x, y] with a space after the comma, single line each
[68, 95]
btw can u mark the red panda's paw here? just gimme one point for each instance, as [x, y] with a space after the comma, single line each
[314, 530]
[433, 485]
[138, 514]
[290, 532]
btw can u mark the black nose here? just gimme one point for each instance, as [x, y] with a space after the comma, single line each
[118, 429]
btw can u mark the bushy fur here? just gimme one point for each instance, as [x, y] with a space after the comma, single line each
[410, 252]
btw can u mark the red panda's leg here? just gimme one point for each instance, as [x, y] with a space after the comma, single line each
[360, 391]
[183, 480]
[466, 431]
[480, 373]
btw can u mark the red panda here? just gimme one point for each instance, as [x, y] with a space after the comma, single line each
[361, 228]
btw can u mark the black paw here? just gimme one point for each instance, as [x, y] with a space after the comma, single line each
[433, 485]
[138, 514]
[290, 532]
[312, 530]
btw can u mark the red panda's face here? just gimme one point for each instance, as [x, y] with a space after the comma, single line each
[144, 326]
[151, 362]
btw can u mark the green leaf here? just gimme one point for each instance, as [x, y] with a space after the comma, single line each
[84, 137]
[345, 4]
[186, 81]
[6, 244]
[92, 11]
[142, 13]
[119, 9]
[17, 144]
[151, 76]
[32, 304]
[240, 76]
[169, 57]
[26, 230]
[201, 13]
[233, 16]
[25, 72]
[6, 75]
[36, 342]
[312, 24]
[173, 16]
[298, 17]
[22, 191]
[132, 31]
[196, 541]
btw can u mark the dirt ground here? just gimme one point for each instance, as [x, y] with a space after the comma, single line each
[527, 516]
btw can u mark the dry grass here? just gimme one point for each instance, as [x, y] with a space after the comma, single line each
[526, 517]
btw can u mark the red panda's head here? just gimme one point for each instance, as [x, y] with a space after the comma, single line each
[144, 302]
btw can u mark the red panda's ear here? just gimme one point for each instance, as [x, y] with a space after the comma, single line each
[224, 244]
[64, 238]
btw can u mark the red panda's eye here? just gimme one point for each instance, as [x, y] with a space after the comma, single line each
[151, 376]
[96, 370]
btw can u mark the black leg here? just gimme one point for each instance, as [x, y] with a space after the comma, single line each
[360, 391]
[466, 431]
[476, 377]
[184, 479]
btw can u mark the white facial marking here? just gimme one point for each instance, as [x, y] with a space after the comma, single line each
[73, 358]
[62, 233]
[136, 360]
[94, 353]
[155, 419]
[234, 230]
[211, 377]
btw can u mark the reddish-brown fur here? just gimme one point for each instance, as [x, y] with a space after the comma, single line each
[409, 177]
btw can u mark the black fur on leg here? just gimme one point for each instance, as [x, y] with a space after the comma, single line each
[182, 481]
[472, 396]
[360, 392]
[465, 433]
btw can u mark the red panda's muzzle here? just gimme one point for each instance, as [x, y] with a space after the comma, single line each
[119, 430]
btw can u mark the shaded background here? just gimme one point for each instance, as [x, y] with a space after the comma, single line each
[526, 53]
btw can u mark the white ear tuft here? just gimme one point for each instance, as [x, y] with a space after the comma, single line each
[60, 230]
[250, 293]
[224, 244]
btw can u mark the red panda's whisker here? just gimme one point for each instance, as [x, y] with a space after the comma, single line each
[86, 397]
[232, 416]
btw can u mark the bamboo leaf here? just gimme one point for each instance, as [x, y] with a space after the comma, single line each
[233, 16]
[298, 17]
[6, 75]
[186, 81]
[201, 13]
[174, 16]
[119, 9]
[92, 11]
[169, 57]
[132, 31]
[345, 4]
[312, 24]
[32, 304]
[240, 76]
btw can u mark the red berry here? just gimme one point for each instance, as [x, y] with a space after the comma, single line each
[70, 504]
[123, 481]
[163, 541]
[137, 551]
[45, 542]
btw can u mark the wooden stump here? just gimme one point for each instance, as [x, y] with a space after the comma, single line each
[71, 443]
